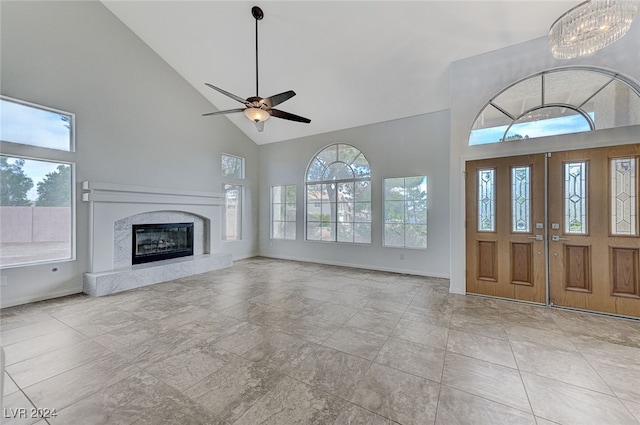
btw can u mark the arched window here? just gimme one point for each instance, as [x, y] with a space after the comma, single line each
[338, 187]
[559, 101]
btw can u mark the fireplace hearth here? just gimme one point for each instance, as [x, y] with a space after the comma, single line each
[161, 241]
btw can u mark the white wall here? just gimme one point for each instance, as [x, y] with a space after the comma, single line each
[406, 147]
[138, 122]
[476, 80]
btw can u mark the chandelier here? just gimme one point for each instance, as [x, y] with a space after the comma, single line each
[590, 26]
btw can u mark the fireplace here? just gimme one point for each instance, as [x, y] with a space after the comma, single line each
[161, 241]
[115, 208]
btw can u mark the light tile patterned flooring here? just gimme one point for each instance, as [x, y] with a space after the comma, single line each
[282, 342]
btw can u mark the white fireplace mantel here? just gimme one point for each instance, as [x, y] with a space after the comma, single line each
[111, 203]
[109, 192]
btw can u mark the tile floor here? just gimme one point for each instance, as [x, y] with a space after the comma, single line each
[282, 342]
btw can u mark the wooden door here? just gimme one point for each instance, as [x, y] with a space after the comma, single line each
[594, 245]
[505, 244]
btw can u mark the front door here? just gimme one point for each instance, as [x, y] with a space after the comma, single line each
[589, 239]
[505, 227]
[594, 245]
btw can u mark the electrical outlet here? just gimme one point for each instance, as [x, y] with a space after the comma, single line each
[3, 281]
[402, 256]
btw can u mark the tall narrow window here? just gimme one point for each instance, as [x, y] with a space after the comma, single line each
[624, 196]
[521, 199]
[232, 213]
[405, 212]
[283, 212]
[36, 193]
[232, 170]
[486, 200]
[338, 196]
[575, 197]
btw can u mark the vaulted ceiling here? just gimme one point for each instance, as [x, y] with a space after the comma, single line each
[351, 63]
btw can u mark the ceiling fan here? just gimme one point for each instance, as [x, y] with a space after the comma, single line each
[259, 109]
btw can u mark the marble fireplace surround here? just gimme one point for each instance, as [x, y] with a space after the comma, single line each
[113, 208]
[123, 243]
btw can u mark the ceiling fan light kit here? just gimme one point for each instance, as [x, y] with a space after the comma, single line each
[259, 109]
[256, 114]
[591, 26]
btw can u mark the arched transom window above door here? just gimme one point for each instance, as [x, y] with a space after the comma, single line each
[558, 101]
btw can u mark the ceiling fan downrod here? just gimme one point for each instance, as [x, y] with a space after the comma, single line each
[258, 14]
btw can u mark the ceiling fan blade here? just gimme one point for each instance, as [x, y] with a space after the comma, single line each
[228, 111]
[226, 93]
[260, 126]
[288, 116]
[277, 99]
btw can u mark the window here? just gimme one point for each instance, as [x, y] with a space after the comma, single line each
[338, 196]
[575, 197]
[486, 200]
[624, 197]
[521, 199]
[232, 166]
[405, 212]
[36, 192]
[283, 212]
[34, 125]
[560, 101]
[232, 170]
[232, 213]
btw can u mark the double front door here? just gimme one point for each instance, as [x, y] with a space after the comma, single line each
[566, 217]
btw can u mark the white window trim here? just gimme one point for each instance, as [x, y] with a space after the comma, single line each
[307, 183]
[38, 153]
[224, 215]
[384, 214]
[242, 166]
[271, 219]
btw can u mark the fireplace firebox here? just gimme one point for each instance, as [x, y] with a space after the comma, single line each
[155, 242]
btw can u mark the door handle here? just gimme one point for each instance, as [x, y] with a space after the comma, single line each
[557, 238]
[536, 237]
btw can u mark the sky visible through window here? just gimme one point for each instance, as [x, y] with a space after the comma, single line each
[36, 127]
[548, 127]
[36, 171]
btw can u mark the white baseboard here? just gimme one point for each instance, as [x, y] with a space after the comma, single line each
[48, 296]
[360, 266]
